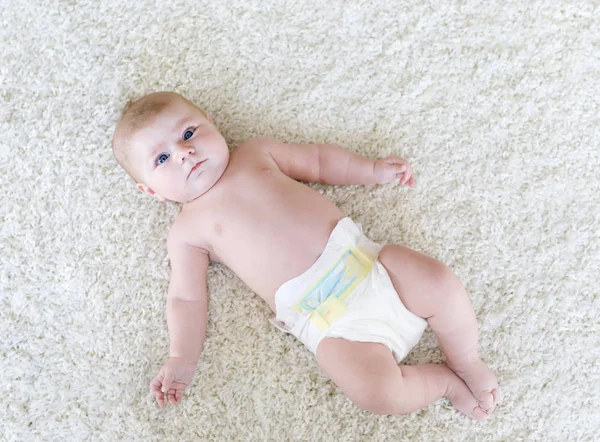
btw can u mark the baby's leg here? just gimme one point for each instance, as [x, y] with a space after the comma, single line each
[430, 290]
[368, 374]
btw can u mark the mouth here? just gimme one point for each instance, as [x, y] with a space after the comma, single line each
[196, 166]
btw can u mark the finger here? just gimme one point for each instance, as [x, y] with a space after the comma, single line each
[406, 178]
[171, 396]
[159, 397]
[399, 168]
[395, 160]
[403, 177]
[156, 383]
[412, 181]
[178, 395]
[168, 379]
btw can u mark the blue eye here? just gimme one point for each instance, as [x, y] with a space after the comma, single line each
[162, 158]
[188, 134]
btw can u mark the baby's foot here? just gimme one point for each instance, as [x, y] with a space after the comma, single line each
[481, 381]
[461, 397]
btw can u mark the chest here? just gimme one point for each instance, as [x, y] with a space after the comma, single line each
[242, 203]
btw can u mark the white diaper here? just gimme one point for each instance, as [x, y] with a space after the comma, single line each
[348, 294]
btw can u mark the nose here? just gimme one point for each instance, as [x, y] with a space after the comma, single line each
[183, 153]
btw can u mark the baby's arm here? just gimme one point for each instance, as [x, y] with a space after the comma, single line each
[331, 164]
[186, 318]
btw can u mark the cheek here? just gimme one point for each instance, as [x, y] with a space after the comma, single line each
[164, 173]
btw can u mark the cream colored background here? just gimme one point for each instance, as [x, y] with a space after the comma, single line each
[495, 104]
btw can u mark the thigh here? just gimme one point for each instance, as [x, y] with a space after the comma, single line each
[359, 369]
[417, 278]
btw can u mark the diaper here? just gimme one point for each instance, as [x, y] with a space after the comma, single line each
[347, 293]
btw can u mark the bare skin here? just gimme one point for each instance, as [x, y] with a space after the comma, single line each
[247, 211]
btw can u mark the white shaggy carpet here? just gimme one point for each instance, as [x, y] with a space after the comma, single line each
[495, 104]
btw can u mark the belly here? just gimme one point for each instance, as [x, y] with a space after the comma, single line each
[271, 240]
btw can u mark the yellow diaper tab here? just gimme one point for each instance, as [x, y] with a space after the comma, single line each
[323, 301]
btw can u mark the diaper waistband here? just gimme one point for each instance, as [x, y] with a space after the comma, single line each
[346, 234]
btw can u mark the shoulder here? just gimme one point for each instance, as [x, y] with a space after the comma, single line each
[259, 144]
[257, 152]
[176, 239]
[181, 241]
[298, 161]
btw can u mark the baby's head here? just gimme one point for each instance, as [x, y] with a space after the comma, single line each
[170, 147]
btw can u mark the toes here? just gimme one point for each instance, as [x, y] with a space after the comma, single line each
[486, 401]
[479, 414]
[497, 393]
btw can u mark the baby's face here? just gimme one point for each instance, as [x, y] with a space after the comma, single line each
[180, 155]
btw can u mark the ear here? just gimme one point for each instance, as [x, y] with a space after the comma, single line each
[148, 191]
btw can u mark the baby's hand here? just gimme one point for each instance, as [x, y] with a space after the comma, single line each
[391, 168]
[172, 379]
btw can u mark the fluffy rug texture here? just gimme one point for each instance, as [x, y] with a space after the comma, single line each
[496, 106]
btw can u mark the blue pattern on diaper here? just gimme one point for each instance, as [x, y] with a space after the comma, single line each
[335, 282]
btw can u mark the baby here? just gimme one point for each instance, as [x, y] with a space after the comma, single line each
[358, 306]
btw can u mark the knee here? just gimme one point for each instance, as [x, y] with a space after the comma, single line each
[445, 282]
